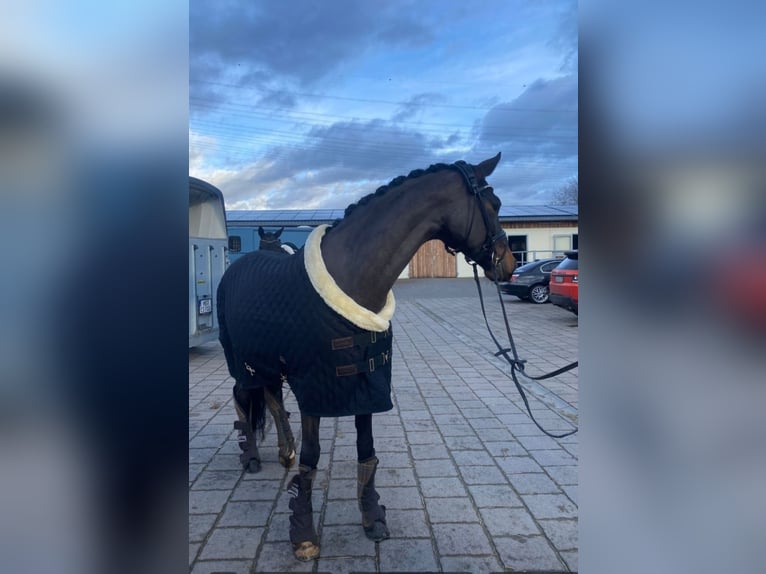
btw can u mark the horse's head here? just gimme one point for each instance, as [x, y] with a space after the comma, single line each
[270, 240]
[476, 231]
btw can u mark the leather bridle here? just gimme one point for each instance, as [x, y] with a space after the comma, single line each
[487, 251]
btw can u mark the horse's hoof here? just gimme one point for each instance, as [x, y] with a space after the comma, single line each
[287, 461]
[253, 466]
[306, 551]
[377, 532]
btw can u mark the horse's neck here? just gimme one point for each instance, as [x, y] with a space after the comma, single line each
[368, 250]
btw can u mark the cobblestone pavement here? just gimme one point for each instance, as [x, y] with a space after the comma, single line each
[469, 482]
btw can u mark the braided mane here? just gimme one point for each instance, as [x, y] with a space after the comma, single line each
[397, 181]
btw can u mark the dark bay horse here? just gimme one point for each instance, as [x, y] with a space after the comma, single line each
[270, 241]
[320, 321]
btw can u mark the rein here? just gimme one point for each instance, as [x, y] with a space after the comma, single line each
[516, 363]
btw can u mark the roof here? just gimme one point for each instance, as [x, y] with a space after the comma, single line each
[295, 217]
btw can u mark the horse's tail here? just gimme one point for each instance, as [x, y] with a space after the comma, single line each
[252, 403]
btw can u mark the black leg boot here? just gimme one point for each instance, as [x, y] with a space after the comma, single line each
[373, 514]
[302, 534]
[250, 457]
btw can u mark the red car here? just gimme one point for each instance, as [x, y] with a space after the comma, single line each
[563, 286]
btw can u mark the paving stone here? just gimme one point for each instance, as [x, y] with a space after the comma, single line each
[400, 497]
[419, 425]
[217, 480]
[407, 555]
[456, 430]
[207, 501]
[423, 437]
[571, 559]
[508, 521]
[563, 474]
[463, 539]
[539, 442]
[528, 553]
[466, 442]
[518, 464]
[270, 471]
[225, 462]
[200, 525]
[279, 527]
[506, 448]
[571, 492]
[342, 489]
[342, 512]
[386, 445]
[221, 566]
[428, 451]
[247, 513]
[344, 453]
[534, 483]
[450, 510]
[201, 455]
[494, 496]
[345, 540]
[406, 523]
[562, 533]
[474, 564]
[195, 470]
[550, 506]
[193, 551]
[465, 458]
[256, 490]
[232, 543]
[442, 487]
[482, 475]
[437, 467]
[394, 477]
[279, 557]
[557, 457]
[208, 441]
[345, 565]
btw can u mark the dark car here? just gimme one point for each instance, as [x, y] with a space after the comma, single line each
[564, 283]
[530, 281]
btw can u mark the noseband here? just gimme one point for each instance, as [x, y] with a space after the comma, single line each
[488, 247]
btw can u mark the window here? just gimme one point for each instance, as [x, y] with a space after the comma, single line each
[561, 243]
[235, 243]
[548, 267]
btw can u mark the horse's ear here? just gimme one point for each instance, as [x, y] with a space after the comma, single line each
[487, 166]
[278, 233]
[260, 232]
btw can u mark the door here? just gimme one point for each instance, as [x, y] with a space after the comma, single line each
[433, 260]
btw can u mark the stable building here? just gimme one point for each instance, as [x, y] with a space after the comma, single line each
[534, 232]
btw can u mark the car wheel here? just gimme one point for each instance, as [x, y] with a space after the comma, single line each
[539, 294]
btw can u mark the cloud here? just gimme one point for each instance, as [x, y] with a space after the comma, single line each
[301, 40]
[537, 133]
[414, 105]
[333, 167]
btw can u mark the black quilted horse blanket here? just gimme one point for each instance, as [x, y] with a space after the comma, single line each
[283, 315]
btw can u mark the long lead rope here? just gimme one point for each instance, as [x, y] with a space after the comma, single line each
[515, 362]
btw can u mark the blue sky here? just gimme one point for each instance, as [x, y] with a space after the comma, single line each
[307, 104]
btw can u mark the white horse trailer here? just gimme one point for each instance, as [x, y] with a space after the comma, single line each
[208, 258]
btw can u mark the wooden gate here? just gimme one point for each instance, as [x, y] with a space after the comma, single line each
[432, 260]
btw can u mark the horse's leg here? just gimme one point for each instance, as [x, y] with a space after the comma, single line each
[250, 407]
[302, 534]
[373, 514]
[285, 440]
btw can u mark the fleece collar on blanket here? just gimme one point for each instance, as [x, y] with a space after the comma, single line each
[336, 299]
